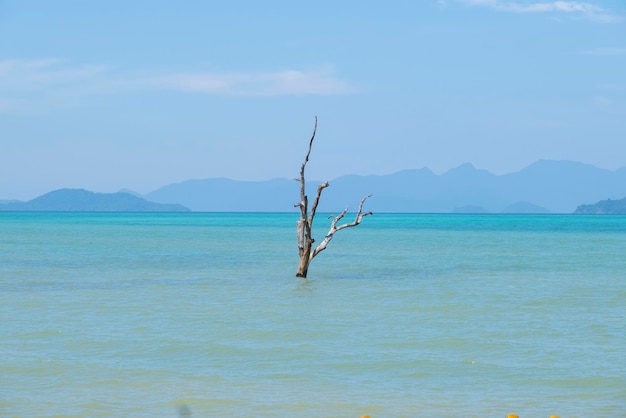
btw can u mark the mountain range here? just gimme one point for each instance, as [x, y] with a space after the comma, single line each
[80, 200]
[546, 186]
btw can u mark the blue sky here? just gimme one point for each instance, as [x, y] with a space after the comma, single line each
[107, 95]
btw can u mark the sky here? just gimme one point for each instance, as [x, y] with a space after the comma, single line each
[106, 95]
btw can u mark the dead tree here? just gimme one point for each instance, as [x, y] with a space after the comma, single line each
[305, 224]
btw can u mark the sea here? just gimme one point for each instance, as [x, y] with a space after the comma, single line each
[406, 315]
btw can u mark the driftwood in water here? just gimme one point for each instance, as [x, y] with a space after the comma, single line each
[304, 225]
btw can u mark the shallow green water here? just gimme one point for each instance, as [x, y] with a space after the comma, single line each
[168, 315]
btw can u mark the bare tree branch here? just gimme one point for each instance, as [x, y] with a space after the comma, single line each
[334, 228]
[303, 198]
[316, 202]
[359, 215]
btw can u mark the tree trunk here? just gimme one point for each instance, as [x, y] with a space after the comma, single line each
[304, 225]
[303, 268]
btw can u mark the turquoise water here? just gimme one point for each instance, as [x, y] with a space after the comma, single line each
[168, 315]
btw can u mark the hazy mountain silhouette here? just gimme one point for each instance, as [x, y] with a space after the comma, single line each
[604, 207]
[224, 195]
[80, 200]
[544, 186]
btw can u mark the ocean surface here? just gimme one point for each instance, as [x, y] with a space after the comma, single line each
[406, 315]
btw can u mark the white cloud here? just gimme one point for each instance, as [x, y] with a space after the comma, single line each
[574, 8]
[612, 87]
[50, 83]
[5, 104]
[602, 101]
[37, 74]
[556, 6]
[288, 82]
[44, 84]
[8, 66]
[32, 74]
[605, 51]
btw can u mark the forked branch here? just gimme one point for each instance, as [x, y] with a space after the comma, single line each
[334, 228]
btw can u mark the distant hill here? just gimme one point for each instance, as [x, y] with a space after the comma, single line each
[543, 187]
[131, 192]
[604, 207]
[80, 200]
[224, 195]
[7, 202]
